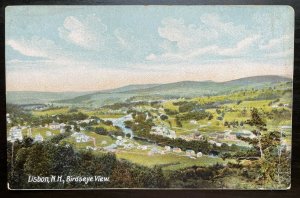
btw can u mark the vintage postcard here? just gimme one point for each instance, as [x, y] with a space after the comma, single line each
[138, 97]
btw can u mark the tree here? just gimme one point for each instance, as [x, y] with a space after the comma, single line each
[260, 126]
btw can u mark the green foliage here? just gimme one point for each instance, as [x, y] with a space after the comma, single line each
[49, 159]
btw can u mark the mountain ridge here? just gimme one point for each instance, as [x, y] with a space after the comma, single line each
[176, 89]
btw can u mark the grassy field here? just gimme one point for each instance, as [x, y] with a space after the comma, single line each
[51, 111]
[170, 160]
[41, 131]
[83, 145]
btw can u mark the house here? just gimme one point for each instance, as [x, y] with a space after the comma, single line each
[176, 150]
[163, 131]
[143, 147]
[111, 148]
[199, 154]
[154, 150]
[128, 146]
[62, 125]
[54, 126]
[245, 133]
[15, 134]
[168, 148]
[193, 122]
[62, 130]
[90, 148]
[38, 138]
[119, 137]
[80, 137]
[190, 153]
[29, 134]
[48, 133]
[218, 144]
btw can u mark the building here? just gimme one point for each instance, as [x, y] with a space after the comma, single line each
[154, 150]
[245, 133]
[143, 147]
[15, 134]
[48, 133]
[90, 148]
[80, 137]
[54, 126]
[62, 130]
[177, 150]
[38, 138]
[128, 146]
[199, 154]
[168, 148]
[190, 153]
[163, 131]
[193, 122]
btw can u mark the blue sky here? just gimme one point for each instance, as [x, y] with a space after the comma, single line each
[84, 48]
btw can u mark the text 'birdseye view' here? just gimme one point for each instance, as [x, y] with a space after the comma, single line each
[149, 97]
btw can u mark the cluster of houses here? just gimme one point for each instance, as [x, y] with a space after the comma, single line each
[57, 126]
[8, 120]
[121, 142]
[81, 137]
[176, 150]
[192, 136]
[15, 133]
[164, 131]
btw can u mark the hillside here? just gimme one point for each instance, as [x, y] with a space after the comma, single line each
[147, 91]
[177, 89]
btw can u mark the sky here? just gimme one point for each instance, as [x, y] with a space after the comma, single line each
[88, 48]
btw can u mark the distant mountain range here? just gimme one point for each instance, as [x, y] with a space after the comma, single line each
[121, 94]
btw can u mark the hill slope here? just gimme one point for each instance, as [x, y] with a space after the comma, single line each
[146, 91]
[177, 89]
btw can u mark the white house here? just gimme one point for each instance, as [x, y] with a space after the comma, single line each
[176, 150]
[199, 154]
[164, 131]
[190, 153]
[15, 134]
[62, 125]
[193, 122]
[80, 137]
[48, 133]
[90, 148]
[153, 151]
[143, 147]
[54, 126]
[119, 137]
[167, 148]
[128, 146]
[38, 138]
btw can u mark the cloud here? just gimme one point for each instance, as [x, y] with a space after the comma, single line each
[88, 33]
[124, 38]
[185, 36]
[34, 47]
[214, 22]
[208, 29]
[151, 57]
[240, 47]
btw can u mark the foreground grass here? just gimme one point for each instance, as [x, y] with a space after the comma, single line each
[170, 161]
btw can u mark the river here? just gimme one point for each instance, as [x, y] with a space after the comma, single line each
[120, 123]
